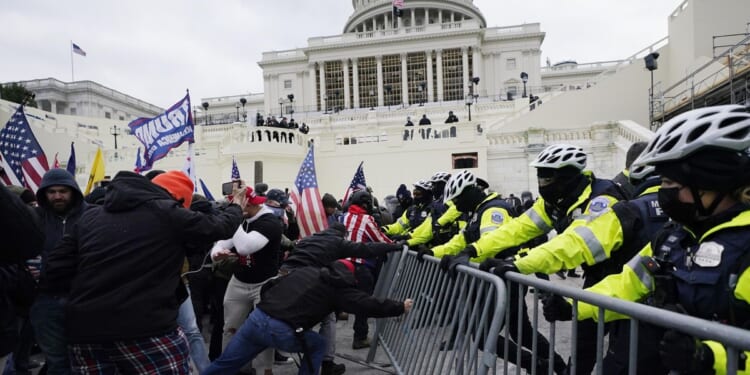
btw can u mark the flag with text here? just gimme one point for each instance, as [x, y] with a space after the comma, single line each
[164, 132]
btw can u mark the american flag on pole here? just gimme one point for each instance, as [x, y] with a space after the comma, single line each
[358, 183]
[235, 170]
[23, 159]
[310, 213]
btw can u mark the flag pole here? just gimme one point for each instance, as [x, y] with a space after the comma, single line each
[72, 74]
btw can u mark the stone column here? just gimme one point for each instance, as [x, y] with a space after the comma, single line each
[374, 24]
[379, 60]
[355, 81]
[312, 101]
[465, 66]
[413, 17]
[345, 66]
[323, 95]
[439, 63]
[476, 59]
[388, 21]
[53, 106]
[440, 16]
[430, 91]
[404, 81]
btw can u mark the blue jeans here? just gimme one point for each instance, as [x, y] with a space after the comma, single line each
[48, 319]
[186, 321]
[260, 332]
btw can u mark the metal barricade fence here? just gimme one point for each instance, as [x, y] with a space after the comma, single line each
[454, 324]
[735, 340]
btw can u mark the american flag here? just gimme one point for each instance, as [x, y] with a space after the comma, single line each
[23, 159]
[358, 183]
[310, 213]
[235, 170]
[398, 4]
[78, 50]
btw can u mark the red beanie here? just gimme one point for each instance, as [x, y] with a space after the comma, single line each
[348, 263]
[178, 184]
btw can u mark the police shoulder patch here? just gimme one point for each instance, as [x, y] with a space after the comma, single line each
[598, 205]
[708, 254]
[497, 217]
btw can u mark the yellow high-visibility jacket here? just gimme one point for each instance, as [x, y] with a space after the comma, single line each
[423, 233]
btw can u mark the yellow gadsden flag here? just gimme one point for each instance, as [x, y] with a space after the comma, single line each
[97, 171]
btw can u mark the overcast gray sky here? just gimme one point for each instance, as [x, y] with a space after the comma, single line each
[154, 50]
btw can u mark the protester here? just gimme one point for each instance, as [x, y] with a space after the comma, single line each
[622, 178]
[424, 120]
[451, 118]
[332, 208]
[136, 241]
[23, 237]
[291, 306]
[257, 243]
[60, 208]
[319, 250]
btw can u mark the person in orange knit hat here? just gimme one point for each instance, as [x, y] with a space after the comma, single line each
[178, 185]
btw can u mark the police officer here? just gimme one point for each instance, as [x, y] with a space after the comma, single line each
[433, 231]
[488, 212]
[704, 163]
[604, 245]
[567, 193]
[415, 214]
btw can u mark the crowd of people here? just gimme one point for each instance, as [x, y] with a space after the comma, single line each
[271, 121]
[121, 282]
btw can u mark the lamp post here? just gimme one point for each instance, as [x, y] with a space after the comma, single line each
[372, 103]
[205, 111]
[291, 104]
[421, 89]
[237, 106]
[651, 65]
[115, 133]
[281, 107]
[469, 102]
[524, 78]
[325, 106]
[243, 101]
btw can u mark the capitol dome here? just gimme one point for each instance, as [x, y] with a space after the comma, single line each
[372, 15]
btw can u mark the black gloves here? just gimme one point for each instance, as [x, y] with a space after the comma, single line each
[450, 262]
[400, 237]
[501, 266]
[422, 251]
[554, 307]
[685, 354]
[399, 245]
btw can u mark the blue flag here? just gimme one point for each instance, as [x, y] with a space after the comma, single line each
[206, 193]
[164, 132]
[71, 167]
[138, 162]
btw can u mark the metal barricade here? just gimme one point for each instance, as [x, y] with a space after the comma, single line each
[454, 324]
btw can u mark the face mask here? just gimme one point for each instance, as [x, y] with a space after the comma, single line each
[551, 193]
[469, 199]
[681, 212]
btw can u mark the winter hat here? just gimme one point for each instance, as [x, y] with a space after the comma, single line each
[403, 193]
[330, 201]
[348, 264]
[253, 197]
[178, 184]
[25, 194]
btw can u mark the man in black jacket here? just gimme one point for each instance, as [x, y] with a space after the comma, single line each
[321, 249]
[61, 205]
[291, 305]
[121, 266]
[22, 238]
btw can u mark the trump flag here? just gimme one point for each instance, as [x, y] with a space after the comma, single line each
[164, 132]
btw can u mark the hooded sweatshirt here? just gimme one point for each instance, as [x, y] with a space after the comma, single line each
[121, 264]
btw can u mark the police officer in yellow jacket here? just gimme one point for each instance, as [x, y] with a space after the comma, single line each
[567, 193]
[442, 223]
[487, 212]
[604, 245]
[702, 258]
[415, 214]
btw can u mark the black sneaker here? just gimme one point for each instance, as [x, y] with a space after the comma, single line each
[361, 343]
[330, 368]
[572, 273]
[561, 274]
[280, 359]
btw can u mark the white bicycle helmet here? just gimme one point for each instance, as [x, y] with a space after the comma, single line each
[440, 177]
[423, 184]
[458, 183]
[725, 127]
[639, 172]
[560, 156]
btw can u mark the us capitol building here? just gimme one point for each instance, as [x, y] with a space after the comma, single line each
[356, 90]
